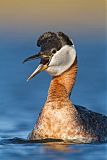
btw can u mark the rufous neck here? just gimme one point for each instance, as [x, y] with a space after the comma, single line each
[61, 86]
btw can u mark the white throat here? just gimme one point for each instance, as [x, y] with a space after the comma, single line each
[62, 60]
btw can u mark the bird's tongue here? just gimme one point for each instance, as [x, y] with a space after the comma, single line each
[44, 61]
[39, 69]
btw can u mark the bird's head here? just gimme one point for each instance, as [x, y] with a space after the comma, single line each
[57, 54]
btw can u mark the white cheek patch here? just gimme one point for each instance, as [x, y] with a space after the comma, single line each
[62, 60]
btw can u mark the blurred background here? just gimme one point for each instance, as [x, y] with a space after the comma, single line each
[21, 23]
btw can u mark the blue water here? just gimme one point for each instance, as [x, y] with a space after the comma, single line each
[21, 101]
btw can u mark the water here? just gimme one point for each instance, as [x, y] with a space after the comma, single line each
[21, 101]
[22, 149]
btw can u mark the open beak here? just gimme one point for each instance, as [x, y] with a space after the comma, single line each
[42, 66]
[39, 69]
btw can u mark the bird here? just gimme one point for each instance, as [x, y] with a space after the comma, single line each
[59, 117]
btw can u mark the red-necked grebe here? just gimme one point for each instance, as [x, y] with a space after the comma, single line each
[59, 118]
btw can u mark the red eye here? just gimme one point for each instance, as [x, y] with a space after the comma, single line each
[53, 50]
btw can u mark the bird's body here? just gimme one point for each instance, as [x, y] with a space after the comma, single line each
[60, 119]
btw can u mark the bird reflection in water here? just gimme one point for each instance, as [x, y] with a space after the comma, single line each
[60, 147]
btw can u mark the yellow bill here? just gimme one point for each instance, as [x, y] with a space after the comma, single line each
[39, 69]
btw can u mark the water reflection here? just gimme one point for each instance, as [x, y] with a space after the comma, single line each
[60, 147]
[25, 149]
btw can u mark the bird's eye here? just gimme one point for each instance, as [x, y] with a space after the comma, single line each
[53, 50]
